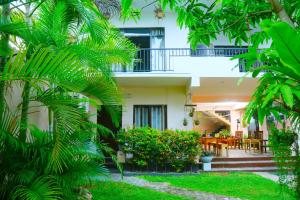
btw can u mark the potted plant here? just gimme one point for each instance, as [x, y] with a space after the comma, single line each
[185, 122]
[191, 113]
[197, 122]
[159, 13]
[206, 157]
[224, 133]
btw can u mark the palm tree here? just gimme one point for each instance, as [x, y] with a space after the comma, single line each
[68, 48]
[64, 24]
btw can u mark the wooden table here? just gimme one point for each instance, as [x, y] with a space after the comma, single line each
[218, 145]
[205, 141]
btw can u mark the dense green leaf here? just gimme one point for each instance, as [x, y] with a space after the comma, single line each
[286, 41]
[287, 95]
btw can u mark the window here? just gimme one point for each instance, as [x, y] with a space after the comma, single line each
[154, 116]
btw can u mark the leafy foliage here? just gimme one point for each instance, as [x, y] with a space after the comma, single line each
[66, 49]
[162, 148]
[281, 142]
[279, 87]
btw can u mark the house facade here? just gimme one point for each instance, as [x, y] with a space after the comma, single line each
[171, 86]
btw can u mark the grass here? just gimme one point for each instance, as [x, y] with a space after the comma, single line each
[123, 191]
[243, 185]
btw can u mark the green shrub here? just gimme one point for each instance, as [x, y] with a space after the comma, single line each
[175, 149]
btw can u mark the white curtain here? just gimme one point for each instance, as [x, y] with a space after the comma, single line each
[157, 43]
[137, 117]
[141, 116]
[156, 114]
[157, 117]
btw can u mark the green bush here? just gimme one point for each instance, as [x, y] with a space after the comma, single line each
[175, 149]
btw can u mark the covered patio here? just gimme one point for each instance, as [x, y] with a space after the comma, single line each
[254, 145]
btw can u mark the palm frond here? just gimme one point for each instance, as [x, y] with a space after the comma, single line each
[63, 69]
[42, 188]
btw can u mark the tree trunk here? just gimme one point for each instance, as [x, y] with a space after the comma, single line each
[26, 91]
[24, 111]
[280, 11]
[5, 45]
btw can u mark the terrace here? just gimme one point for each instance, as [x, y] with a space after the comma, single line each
[165, 59]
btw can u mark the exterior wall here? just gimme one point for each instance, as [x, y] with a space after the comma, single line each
[173, 97]
[38, 115]
[206, 66]
[174, 36]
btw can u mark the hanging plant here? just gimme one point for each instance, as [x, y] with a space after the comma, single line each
[197, 122]
[185, 122]
[159, 13]
[191, 113]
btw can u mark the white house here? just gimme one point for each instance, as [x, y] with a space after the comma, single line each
[168, 79]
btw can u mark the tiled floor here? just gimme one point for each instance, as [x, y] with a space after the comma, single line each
[238, 153]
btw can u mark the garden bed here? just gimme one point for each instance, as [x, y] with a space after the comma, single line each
[161, 151]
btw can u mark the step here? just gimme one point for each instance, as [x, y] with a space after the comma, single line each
[261, 158]
[246, 169]
[240, 164]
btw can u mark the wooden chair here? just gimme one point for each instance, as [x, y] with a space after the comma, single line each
[259, 135]
[239, 139]
[254, 141]
[251, 135]
[264, 143]
[218, 146]
[232, 142]
[239, 134]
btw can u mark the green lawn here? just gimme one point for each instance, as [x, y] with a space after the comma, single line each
[122, 191]
[243, 185]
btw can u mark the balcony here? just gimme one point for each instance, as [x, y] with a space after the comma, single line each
[162, 60]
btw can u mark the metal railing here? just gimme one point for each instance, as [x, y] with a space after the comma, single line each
[159, 60]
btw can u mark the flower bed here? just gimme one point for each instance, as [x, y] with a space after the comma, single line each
[160, 150]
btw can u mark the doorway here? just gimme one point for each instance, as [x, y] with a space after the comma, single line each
[104, 118]
[143, 55]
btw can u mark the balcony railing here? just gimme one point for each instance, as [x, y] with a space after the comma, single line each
[159, 60]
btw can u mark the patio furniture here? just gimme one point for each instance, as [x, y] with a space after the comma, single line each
[249, 143]
[264, 146]
[205, 142]
[239, 134]
[239, 139]
[258, 135]
[264, 143]
[219, 146]
[232, 142]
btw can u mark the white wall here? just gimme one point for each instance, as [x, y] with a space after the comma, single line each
[173, 97]
[174, 36]
[37, 113]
